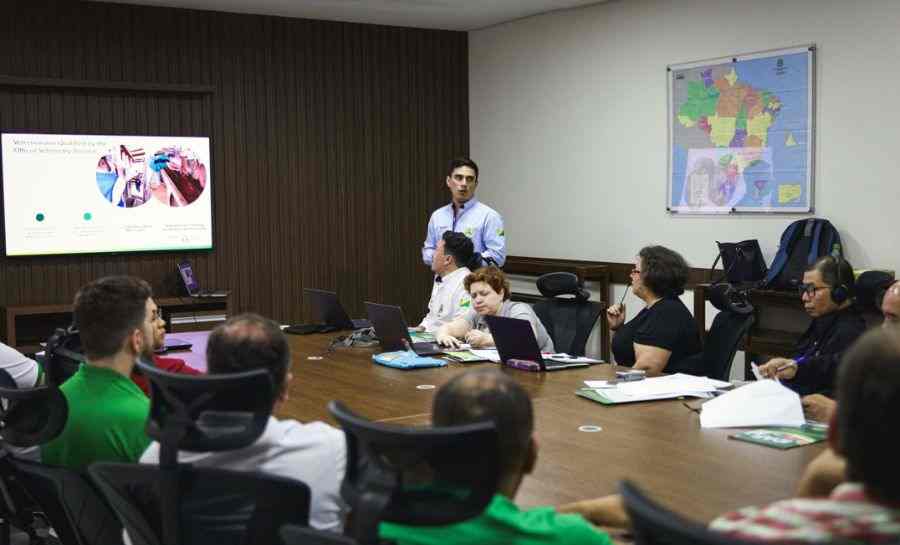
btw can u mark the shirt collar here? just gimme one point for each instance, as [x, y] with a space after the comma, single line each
[462, 271]
[855, 492]
[468, 205]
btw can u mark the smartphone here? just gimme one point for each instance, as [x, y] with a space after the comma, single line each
[633, 374]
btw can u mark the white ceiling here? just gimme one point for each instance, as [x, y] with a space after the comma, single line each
[439, 14]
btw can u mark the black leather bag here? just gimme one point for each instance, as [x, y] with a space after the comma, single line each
[742, 262]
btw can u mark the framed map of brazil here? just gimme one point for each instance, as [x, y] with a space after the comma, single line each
[741, 133]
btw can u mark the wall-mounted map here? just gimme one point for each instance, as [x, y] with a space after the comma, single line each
[741, 133]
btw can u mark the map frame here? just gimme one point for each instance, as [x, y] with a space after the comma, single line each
[674, 203]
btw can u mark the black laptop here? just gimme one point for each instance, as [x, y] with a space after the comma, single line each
[515, 339]
[327, 309]
[391, 329]
[192, 285]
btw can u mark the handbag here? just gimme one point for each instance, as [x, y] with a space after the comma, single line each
[742, 262]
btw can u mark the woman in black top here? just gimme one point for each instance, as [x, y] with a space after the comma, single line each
[664, 332]
[827, 293]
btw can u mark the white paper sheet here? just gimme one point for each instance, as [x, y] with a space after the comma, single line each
[762, 403]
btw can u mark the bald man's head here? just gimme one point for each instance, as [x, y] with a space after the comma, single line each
[890, 305]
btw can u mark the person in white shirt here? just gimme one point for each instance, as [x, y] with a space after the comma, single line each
[22, 369]
[26, 373]
[314, 453]
[453, 256]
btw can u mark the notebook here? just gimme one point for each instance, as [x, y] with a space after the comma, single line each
[192, 285]
[515, 339]
[328, 310]
[390, 327]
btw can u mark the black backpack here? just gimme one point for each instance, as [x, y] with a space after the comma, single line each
[802, 243]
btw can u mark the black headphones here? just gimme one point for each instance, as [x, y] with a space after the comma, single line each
[840, 292]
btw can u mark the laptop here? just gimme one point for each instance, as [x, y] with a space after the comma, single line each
[515, 339]
[192, 285]
[390, 326]
[328, 310]
[173, 343]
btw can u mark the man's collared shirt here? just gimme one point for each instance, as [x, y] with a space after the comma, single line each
[478, 221]
[107, 417]
[449, 300]
[314, 453]
[848, 515]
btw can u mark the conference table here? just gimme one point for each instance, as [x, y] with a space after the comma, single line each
[659, 445]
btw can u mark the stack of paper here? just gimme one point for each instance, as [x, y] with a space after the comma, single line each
[762, 403]
[489, 354]
[665, 387]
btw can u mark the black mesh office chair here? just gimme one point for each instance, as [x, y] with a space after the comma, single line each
[174, 504]
[566, 312]
[65, 498]
[728, 328]
[415, 476]
[300, 535]
[652, 524]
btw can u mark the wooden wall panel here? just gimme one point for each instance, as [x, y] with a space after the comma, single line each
[329, 142]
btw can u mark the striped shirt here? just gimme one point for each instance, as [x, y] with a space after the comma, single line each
[847, 515]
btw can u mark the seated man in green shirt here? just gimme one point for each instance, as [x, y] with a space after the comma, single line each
[489, 394]
[107, 411]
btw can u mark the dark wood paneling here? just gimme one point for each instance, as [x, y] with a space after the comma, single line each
[329, 141]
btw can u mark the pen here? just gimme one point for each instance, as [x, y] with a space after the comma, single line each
[796, 363]
[622, 300]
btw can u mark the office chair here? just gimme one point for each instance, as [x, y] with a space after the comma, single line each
[175, 504]
[415, 476]
[652, 524]
[299, 535]
[569, 320]
[728, 328]
[65, 498]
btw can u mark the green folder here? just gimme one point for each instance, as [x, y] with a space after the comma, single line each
[784, 438]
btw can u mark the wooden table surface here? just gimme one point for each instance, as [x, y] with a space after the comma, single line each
[658, 444]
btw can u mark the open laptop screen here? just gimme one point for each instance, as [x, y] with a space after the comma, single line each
[187, 275]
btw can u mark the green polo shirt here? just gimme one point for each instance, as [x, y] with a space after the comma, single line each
[502, 522]
[107, 416]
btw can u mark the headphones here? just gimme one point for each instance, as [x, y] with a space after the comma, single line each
[839, 293]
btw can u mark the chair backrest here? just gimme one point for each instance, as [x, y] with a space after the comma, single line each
[568, 320]
[214, 506]
[75, 509]
[34, 416]
[207, 413]
[301, 535]
[201, 413]
[415, 476]
[728, 328]
[652, 524]
[30, 416]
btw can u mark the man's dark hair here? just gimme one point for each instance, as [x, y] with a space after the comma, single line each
[457, 162]
[868, 396]
[107, 310]
[246, 342]
[664, 271]
[461, 249]
[835, 271]
[488, 394]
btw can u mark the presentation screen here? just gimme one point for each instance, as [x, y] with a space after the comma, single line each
[81, 194]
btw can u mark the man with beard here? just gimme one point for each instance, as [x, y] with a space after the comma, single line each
[107, 411]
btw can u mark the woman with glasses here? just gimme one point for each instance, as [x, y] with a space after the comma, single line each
[664, 333]
[827, 293]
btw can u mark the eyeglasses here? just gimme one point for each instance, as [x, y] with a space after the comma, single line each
[156, 314]
[810, 289]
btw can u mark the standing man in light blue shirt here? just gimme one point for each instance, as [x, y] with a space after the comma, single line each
[466, 215]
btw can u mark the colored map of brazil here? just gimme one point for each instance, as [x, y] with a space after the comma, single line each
[740, 134]
[733, 114]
